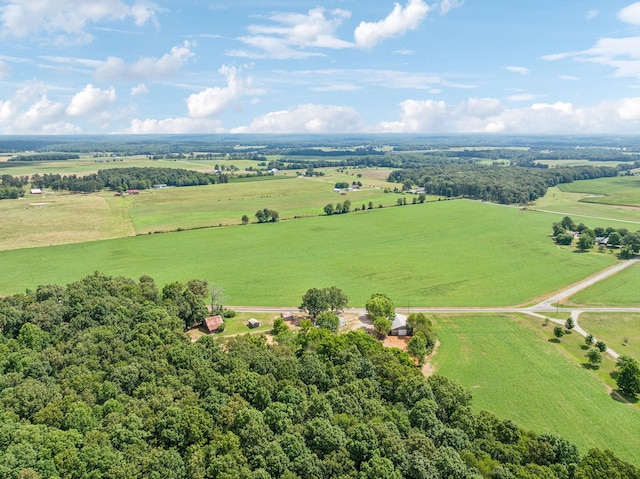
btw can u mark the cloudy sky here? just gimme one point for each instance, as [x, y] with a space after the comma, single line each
[327, 66]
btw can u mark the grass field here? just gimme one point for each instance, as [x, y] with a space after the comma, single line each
[613, 329]
[514, 371]
[448, 253]
[618, 290]
[591, 214]
[619, 190]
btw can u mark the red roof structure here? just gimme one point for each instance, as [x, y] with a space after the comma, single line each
[212, 323]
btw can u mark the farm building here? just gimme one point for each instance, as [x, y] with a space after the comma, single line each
[253, 323]
[133, 192]
[35, 191]
[159, 186]
[399, 326]
[212, 323]
[288, 316]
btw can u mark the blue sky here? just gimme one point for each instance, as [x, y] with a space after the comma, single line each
[333, 66]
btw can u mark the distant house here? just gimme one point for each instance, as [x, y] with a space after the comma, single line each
[337, 190]
[161, 185]
[35, 191]
[399, 326]
[212, 323]
[253, 323]
[273, 171]
[133, 192]
[602, 240]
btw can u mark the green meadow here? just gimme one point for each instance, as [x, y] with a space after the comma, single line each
[621, 331]
[514, 371]
[619, 190]
[620, 289]
[446, 253]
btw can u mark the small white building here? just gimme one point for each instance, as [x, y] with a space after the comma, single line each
[399, 326]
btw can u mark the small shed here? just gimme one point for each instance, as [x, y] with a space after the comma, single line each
[253, 323]
[160, 185]
[399, 326]
[212, 323]
[287, 316]
[35, 191]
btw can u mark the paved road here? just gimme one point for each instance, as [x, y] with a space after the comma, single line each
[545, 306]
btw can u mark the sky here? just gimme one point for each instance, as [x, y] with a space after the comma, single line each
[327, 66]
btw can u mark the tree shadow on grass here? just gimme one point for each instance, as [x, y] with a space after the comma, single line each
[584, 347]
[554, 340]
[591, 367]
[619, 397]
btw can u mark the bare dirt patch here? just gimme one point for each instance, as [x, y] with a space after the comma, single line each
[429, 368]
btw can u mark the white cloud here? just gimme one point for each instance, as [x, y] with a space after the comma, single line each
[630, 14]
[178, 125]
[308, 118]
[487, 115]
[591, 14]
[90, 100]
[337, 87]
[147, 68]
[213, 100]
[518, 70]
[68, 19]
[446, 5]
[522, 97]
[569, 78]
[398, 22]
[139, 89]
[290, 34]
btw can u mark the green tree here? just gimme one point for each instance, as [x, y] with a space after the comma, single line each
[336, 299]
[601, 346]
[382, 326]
[380, 306]
[417, 347]
[245, 219]
[568, 224]
[588, 340]
[569, 323]
[558, 332]
[628, 379]
[595, 357]
[585, 242]
[564, 238]
[328, 210]
[314, 302]
[328, 320]
[614, 239]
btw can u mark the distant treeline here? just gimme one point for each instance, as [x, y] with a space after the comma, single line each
[46, 157]
[500, 184]
[320, 152]
[121, 179]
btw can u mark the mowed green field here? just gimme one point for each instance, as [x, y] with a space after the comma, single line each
[447, 253]
[613, 329]
[591, 214]
[620, 289]
[619, 190]
[515, 372]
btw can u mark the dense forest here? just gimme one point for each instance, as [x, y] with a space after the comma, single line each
[45, 157]
[98, 380]
[500, 184]
[121, 179]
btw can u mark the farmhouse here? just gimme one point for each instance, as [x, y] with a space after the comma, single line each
[212, 323]
[399, 326]
[35, 191]
[161, 185]
[253, 323]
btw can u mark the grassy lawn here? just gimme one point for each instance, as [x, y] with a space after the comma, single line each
[619, 190]
[619, 290]
[238, 325]
[613, 328]
[514, 371]
[447, 253]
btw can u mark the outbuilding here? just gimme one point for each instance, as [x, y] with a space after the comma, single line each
[213, 323]
[399, 326]
[253, 323]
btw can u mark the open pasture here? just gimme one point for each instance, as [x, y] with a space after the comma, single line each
[620, 289]
[43, 220]
[614, 329]
[618, 190]
[513, 371]
[446, 253]
[621, 331]
[591, 214]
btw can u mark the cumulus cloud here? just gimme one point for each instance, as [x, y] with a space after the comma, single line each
[398, 22]
[489, 115]
[518, 70]
[290, 35]
[67, 20]
[630, 14]
[213, 100]
[308, 118]
[90, 100]
[178, 125]
[147, 68]
[139, 89]
[446, 5]
[41, 117]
